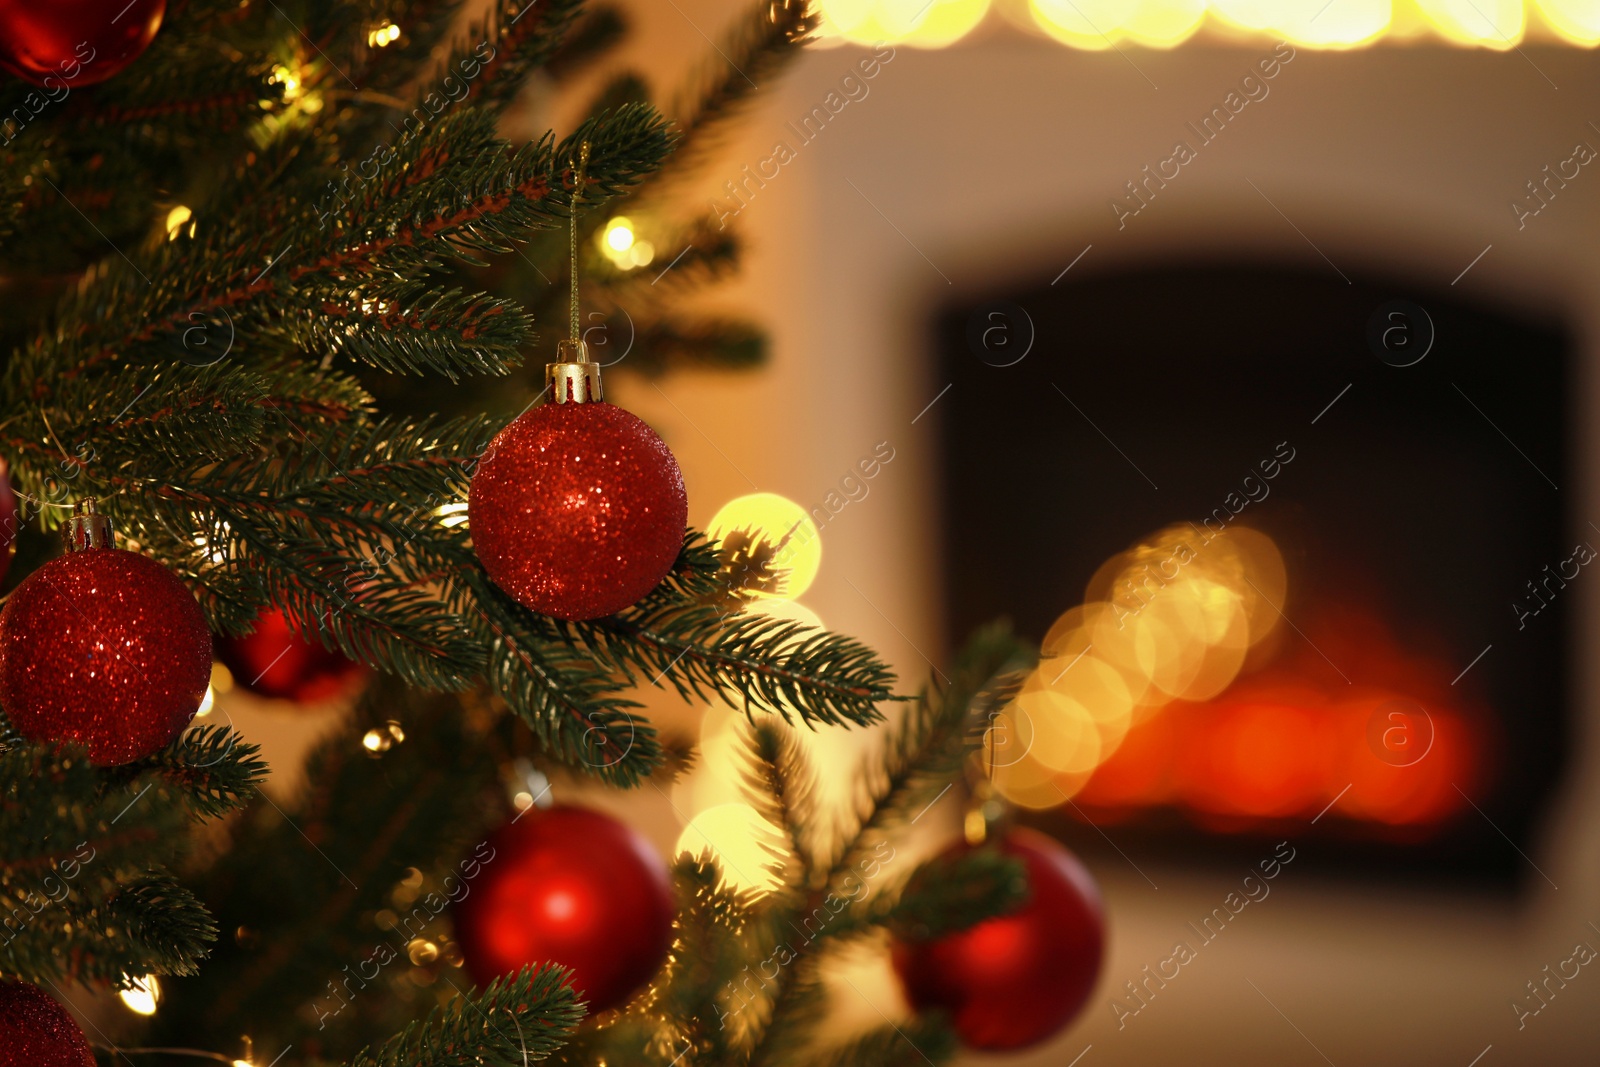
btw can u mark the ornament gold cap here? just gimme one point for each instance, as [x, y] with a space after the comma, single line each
[88, 528]
[574, 378]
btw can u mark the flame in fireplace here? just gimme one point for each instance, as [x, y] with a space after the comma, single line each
[1182, 684]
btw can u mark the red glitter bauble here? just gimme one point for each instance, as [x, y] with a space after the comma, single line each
[1014, 981]
[35, 1031]
[573, 886]
[276, 662]
[68, 43]
[105, 648]
[577, 510]
[8, 521]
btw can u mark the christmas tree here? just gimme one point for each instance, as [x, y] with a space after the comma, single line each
[243, 242]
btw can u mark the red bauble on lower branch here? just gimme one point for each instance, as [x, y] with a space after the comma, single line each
[577, 510]
[103, 647]
[1016, 980]
[75, 42]
[575, 887]
[276, 662]
[35, 1031]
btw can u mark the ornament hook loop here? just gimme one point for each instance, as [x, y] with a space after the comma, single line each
[87, 528]
[574, 378]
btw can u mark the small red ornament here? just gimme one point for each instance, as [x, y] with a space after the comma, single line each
[1014, 981]
[75, 42]
[102, 647]
[577, 508]
[35, 1031]
[573, 886]
[8, 520]
[276, 662]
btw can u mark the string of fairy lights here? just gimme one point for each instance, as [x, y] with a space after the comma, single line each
[1102, 24]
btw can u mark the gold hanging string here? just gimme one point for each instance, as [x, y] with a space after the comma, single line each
[578, 169]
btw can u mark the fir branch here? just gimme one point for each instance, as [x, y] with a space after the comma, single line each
[781, 785]
[211, 769]
[708, 255]
[707, 956]
[601, 27]
[191, 93]
[754, 51]
[83, 894]
[672, 344]
[520, 1017]
[308, 879]
[927, 748]
[423, 25]
[525, 35]
[774, 665]
[459, 206]
[570, 703]
[950, 893]
[924, 1040]
[159, 910]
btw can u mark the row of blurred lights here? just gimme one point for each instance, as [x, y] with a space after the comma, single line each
[1101, 24]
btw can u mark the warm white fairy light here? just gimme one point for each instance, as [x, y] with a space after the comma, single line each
[383, 35]
[619, 234]
[289, 80]
[176, 218]
[144, 996]
[450, 515]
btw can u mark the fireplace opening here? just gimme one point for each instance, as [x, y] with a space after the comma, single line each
[1299, 550]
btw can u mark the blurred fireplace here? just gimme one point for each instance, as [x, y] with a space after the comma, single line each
[1429, 561]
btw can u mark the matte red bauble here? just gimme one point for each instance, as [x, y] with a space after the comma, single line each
[276, 662]
[576, 887]
[35, 1031]
[8, 521]
[75, 42]
[1015, 981]
[577, 509]
[105, 648]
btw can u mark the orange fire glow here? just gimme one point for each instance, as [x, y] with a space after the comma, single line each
[1392, 746]
[1181, 683]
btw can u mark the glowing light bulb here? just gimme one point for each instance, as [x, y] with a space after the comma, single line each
[376, 741]
[1489, 23]
[783, 526]
[451, 514]
[383, 35]
[175, 220]
[1577, 21]
[1100, 24]
[619, 234]
[944, 23]
[144, 996]
[289, 80]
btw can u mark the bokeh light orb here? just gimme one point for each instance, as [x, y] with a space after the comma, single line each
[782, 524]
